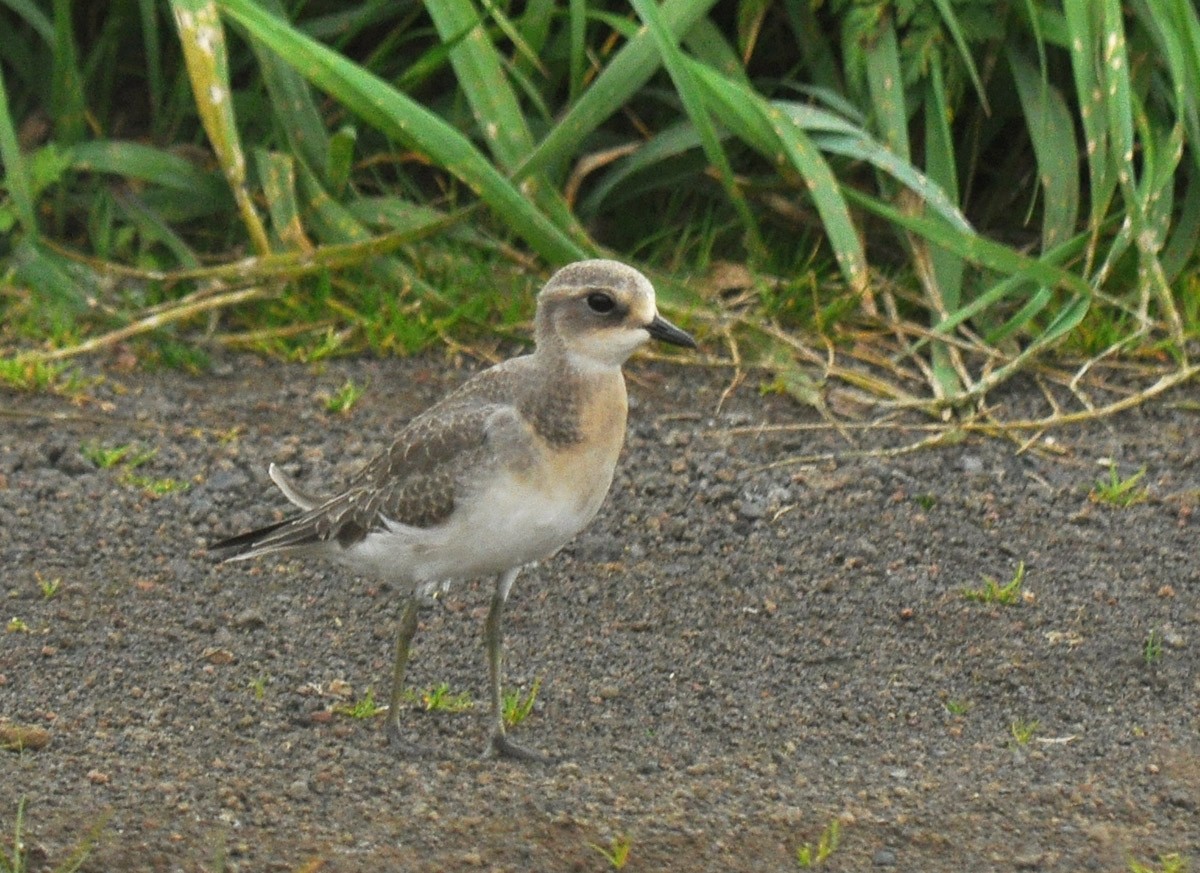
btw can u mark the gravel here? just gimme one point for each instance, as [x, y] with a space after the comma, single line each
[732, 657]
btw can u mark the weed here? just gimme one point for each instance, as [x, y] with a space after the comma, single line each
[1022, 731]
[32, 375]
[259, 686]
[442, 699]
[129, 457]
[957, 707]
[992, 591]
[1119, 492]
[809, 855]
[343, 400]
[617, 851]
[227, 437]
[365, 707]
[925, 501]
[104, 457]
[516, 708]
[1169, 863]
[1152, 648]
[154, 487]
[48, 587]
[17, 861]
[16, 626]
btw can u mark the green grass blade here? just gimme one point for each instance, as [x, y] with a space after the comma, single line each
[1184, 242]
[693, 103]
[708, 45]
[1175, 27]
[630, 68]
[577, 58]
[885, 82]
[67, 107]
[946, 10]
[152, 46]
[1083, 39]
[816, 52]
[135, 160]
[341, 158]
[1052, 133]
[29, 12]
[942, 168]
[781, 139]
[525, 52]
[204, 51]
[400, 117]
[151, 224]
[16, 170]
[293, 104]
[277, 173]
[59, 285]
[977, 249]
[942, 273]
[482, 78]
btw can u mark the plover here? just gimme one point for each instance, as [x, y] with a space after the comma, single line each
[500, 473]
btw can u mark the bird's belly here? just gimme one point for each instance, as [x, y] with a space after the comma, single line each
[511, 523]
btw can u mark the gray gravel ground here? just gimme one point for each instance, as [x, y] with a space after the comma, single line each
[731, 657]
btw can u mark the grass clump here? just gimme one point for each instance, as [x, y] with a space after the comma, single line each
[128, 455]
[1152, 647]
[616, 853]
[1172, 862]
[16, 858]
[957, 707]
[49, 588]
[440, 698]
[340, 402]
[1117, 491]
[515, 707]
[808, 855]
[992, 592]
[128, 458]
[24, 374]
[530, 135]
[363, 708]
[1022, 730]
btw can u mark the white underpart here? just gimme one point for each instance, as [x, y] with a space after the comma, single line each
[507, 525]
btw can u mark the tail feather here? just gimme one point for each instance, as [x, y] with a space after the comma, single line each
[292, 491]
[295, 532]
[245, 542]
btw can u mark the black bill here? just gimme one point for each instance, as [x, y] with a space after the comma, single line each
[661, 329]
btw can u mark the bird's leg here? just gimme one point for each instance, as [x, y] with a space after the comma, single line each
[408, 627]
[493, 637]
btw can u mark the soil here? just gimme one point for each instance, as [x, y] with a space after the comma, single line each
[731, 658]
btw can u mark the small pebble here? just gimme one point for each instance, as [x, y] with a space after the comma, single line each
[884, 858]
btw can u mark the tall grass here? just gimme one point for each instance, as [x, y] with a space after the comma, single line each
[964, 183]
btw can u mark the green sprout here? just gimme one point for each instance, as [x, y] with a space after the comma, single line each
[1119, 492]
[808, 855]
[992, 591]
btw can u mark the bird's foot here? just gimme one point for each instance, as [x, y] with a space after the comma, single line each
[500, 746]
[402, 746]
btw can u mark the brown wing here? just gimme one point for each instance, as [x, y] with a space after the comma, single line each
[417, 481]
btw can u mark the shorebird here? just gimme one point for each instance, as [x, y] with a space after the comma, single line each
[500, 473]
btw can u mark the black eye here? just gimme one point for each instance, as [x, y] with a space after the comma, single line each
[600, 302]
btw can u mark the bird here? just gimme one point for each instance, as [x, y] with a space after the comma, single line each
[500, 473]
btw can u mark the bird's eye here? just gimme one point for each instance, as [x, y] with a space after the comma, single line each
[600, 303]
